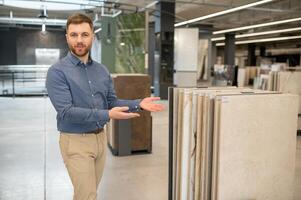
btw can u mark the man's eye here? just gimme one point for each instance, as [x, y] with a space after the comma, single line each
[85, 35]
[73, 35]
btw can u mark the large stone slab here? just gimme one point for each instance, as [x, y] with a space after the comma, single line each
[290, 82]
[255, 146]
[179, 145]
[193, 113]
[186, 144]
[175, 133]
[133, 86]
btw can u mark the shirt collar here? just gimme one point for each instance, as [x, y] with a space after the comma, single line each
[76, 61]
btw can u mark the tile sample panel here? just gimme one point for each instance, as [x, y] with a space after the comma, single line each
[256, 147]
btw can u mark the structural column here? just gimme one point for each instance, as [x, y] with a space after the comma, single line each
[229, 49]
[251, 55]
[151, 50]
[164, 48]
[262, 51]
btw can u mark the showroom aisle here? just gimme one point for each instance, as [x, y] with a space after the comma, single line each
[28, 133]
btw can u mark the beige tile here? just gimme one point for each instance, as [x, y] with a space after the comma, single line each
[256, 147]
[289, 82]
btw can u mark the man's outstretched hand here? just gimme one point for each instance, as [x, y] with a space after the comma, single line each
[145, 104]
[149, 105]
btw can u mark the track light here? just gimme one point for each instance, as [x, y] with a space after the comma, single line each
[222, 12]
[43, 13]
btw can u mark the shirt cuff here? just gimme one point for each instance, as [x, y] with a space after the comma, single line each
[102, 115]
[137, 107]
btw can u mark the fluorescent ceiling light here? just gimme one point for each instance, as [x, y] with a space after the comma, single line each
[117, 13]
[131, 30]
[43, 27]
[19, 20]
[264, 40]
[257, 25]
[52, 4]
[151, 4]
[260, 33]
[148, 6]
[97, 30]
[222, 12]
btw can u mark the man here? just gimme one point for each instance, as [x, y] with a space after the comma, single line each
[82, 93]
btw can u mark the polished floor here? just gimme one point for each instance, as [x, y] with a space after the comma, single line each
[31, 167]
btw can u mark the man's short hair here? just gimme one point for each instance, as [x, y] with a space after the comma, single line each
[79, 18]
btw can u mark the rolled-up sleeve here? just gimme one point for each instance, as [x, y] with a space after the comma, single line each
[61, 98]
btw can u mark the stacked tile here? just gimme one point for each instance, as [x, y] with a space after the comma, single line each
[233, 143]
[287, 82]
[247, 75]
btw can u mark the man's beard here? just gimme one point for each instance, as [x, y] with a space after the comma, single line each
[84, 49]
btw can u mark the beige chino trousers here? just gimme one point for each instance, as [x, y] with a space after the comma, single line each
[84, 157]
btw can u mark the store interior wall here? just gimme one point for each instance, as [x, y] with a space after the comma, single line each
[8, 48]
[18, 45]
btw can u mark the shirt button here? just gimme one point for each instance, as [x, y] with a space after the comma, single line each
[92, 95]
[89, 82]
[86, 68]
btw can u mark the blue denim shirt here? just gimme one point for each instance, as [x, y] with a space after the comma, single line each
[82, 94]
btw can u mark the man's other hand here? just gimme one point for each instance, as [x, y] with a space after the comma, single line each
[121, 113]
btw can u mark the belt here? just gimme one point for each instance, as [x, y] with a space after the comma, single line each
[97, 131]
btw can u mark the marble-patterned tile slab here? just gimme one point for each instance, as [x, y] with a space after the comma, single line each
[256, 146]
[179, 145]
[290, 82]
[186, 144]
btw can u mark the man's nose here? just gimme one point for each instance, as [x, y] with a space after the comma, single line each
[79, 38]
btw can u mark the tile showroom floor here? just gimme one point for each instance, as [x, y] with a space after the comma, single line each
[28, 135]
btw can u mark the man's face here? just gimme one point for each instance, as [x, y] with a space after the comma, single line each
[80, 38]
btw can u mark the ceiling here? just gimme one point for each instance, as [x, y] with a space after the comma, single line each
[188, 9]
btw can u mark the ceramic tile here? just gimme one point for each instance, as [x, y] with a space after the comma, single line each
[289, 82]
[257, 156]
[186, 143]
